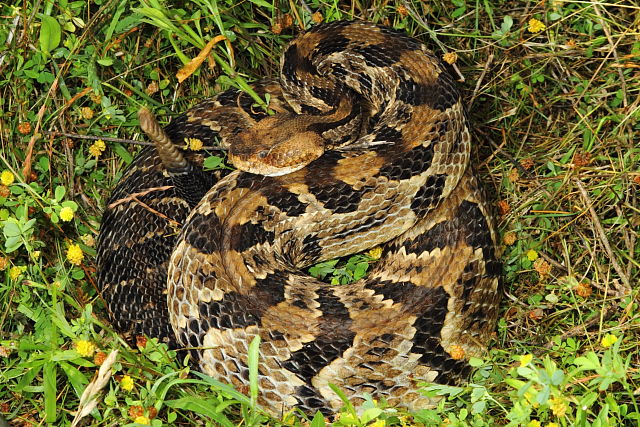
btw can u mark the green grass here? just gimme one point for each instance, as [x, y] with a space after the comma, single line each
[556, 117]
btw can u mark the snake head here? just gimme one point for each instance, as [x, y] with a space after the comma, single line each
[276, 145]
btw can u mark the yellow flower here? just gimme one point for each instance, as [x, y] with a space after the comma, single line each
[378, 423]
[552, 425]
[193, 144]
[87, 113]
[450, 57]
[97, 148]
[142, 420]
[534, 423]
[536, 26]
[558, 406]
[509, 238]
[126, 383]
[456, 352]
[532, 255]
[66, 214]
[375, 253]
[85, 348]
[75, 255]
[15, 272]
[608, 340]
[526, 359]
[7, 177]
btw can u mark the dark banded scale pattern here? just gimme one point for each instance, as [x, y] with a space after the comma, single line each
[392, 171]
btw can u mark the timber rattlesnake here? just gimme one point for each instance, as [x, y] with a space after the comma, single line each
[381, 143]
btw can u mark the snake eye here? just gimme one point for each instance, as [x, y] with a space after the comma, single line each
[262, 154]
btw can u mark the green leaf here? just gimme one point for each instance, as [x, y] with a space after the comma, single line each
[69, 204]
[476, 362]
[12, 243]
[443, 390]
[588, 362]
[588, 399]
[123, 153]
[348, 405]
[370, 414]
[28, 377]
[50, 34]
[463, 413]
[43, 164]
[543, 395]
[59, 193]
[263, 3]
[458, 12]
[50, 391]
[206, 407]
[69, 27]
[116, 19]
[28, 225]
[360, 270]
[106, 62]
[516, 384]
[76, 378]
[318, 420]
[11, 229]
[226, 388]
[507, 23]
[253, 360]
[321, 269]
[155, 356]
[557, 377]
[213, 162]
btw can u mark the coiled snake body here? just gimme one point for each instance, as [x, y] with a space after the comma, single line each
[379, 142]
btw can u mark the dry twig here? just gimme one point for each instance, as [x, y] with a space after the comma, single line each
[626, 289]
[134, 198]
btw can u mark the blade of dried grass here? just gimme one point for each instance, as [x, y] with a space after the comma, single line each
[88, 400]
